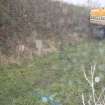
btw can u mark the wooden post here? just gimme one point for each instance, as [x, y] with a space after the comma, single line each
[39, 46]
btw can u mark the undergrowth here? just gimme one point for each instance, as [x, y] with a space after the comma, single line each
[56, 77]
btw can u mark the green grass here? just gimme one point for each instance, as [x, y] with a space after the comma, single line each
[60, 77]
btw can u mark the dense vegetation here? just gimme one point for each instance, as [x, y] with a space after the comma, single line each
[21, 21]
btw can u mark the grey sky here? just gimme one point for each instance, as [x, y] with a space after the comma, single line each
[84, 2]
[76, 1]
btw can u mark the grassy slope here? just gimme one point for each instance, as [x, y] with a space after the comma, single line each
[52, 76]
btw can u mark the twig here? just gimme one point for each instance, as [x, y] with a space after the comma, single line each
[86, 77]
[83, 99]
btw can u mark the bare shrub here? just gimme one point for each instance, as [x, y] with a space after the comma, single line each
[93, 98]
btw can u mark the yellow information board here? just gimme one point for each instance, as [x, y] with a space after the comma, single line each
[97, 12]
